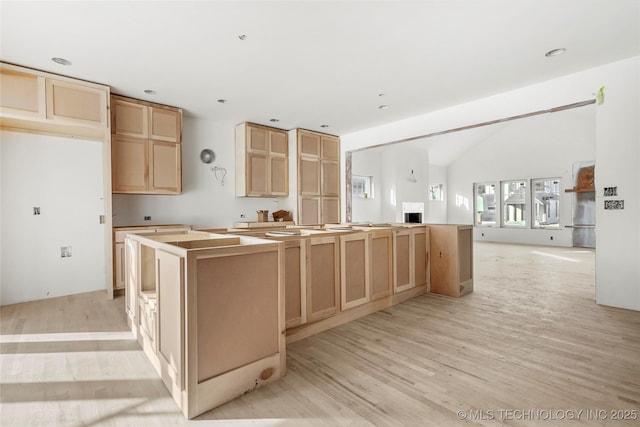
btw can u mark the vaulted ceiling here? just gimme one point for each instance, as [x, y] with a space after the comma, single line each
[314, 63]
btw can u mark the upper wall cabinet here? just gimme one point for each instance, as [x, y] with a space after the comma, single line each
[146, 147]
[262, 161]
[318, 178]
[31, 99]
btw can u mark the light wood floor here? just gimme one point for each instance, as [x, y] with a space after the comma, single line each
[528, 340]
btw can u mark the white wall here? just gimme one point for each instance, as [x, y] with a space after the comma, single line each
[617, 141]
[543, 146]
[205, 202]
[63, 177]
[436, 211]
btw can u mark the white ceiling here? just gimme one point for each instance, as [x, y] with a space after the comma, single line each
[310, 63]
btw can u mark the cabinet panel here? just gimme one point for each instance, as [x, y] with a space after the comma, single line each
[451, 259]
[165, 168]
[381, 264]
[119, 263]
[309, 177]
[129, 160]
[257, 139]
[166, 124]
[354, 268]
[330, 148]
[308, 144]
[323, 280]
[309, 210]
[279, 143]
[279, 176]
[257, 174]
[129, 119]
[22, 94]
[420, 258]
[295, 293]
[330, 179]
[76, 103]
[402, 260]
[330, 210]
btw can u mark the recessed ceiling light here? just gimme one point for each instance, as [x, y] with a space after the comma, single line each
[222, 101]
[382, 94]
[242, 36]
[274, 120]
[61, 61]
[324, 126]
[555, 52]
[150, 91]
[383, 107]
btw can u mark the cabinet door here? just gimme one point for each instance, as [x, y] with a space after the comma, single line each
[257, 139]
[119, 262]
[402, 262]
[330, 210]
[330, 148]
[279, 176]
[420, 256]
[278, 143]
[129, 164]
[309, 210]
[323, 278]
[165, 167]
[308, 144]
[129, 118]
[330, 178]
[309, 177]
[295, 283]
[257, 169]
[444, 271]
[381, 260]
[22, 94]
[166, 124]
[354, 270]
[71, 102]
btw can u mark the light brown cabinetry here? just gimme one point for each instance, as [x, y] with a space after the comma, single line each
[410, 258]
[119, 252]
[318, 178]
[52, 104]
[452, 252]
[381, 262]
[262, 161]
[354, 269]
[323, 277]
[146, 147]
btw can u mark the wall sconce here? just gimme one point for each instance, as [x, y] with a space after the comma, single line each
[412, 177]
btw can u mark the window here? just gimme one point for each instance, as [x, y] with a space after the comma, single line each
[545, 199]
[362, 186]
[435, 192]
[485, 204]
[514, 203]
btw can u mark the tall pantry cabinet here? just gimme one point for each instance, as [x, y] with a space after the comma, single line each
[318, 178]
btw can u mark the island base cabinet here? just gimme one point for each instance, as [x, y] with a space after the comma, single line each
[323, 277]
[452, 259]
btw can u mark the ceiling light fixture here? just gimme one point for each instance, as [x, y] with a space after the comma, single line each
[150, 91]
[383, 107]
[61, 61]
[242, 36]
[222, 101]
[382, 94]
[324, 126]
[555, 52]
[274, 120]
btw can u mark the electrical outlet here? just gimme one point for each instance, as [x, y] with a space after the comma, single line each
[147, 218]
[36, 210]
[65, 251]
[550, 237]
